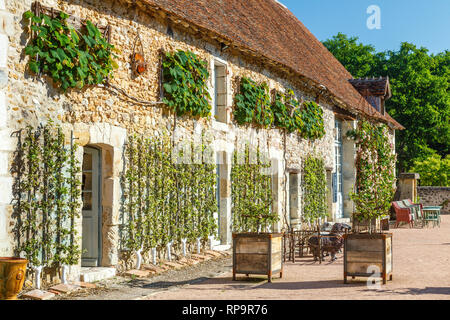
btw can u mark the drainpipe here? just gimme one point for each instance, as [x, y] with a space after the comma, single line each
[183, 241]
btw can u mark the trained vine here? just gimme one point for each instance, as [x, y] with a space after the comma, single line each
[375, 170]
[165, 200]
[314, 189]
[71, 58]
[312, 118]
[251, 192]
[287, 112]
[253, 104]
[46, 197]
[185, 84]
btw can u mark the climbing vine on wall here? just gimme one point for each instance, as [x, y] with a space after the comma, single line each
[164, 199]
[287, 112]
[185, 84]
[312, 118]
[253, 104]
[251, 192]
[375, 170]
[46, 196]
[72, 58]
[314, 189]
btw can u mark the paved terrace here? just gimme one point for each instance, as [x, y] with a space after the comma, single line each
[421, 271]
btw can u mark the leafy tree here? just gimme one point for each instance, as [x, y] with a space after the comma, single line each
[357, 58]
[434, 171]
[420, 101]
[420, 85]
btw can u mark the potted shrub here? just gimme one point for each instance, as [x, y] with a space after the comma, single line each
[368, 250]
[256, 250]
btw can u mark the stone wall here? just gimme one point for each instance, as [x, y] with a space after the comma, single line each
[7, 144]
[104, 119]
[435, 196]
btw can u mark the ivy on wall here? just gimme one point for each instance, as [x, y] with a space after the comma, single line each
[375, 170]
[185, 84]
[251, 192]
[164, 200]
[253, 104]
[46, 197]
[314, 189]
[72, 58]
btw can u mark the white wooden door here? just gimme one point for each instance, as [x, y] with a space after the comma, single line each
[91, 208]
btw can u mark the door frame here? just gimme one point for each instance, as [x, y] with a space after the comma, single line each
[100, 201]
[338, 163]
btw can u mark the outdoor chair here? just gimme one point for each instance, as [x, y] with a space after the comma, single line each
[402, 213]
[294, 244]
[288, 246]
[432, 214]
[416, 208]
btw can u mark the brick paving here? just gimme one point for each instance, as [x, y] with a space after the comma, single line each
[421, 271]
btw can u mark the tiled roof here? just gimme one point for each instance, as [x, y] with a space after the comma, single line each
[270, 30]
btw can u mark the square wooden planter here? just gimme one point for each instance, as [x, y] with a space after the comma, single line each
[365, 252]
[257, 253]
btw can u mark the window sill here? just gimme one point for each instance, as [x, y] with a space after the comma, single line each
[220, 126]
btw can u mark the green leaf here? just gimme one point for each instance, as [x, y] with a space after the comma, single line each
[27, 15]
[33, 66]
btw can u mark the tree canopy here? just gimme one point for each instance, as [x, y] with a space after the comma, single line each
[433, 171]
[420, 93]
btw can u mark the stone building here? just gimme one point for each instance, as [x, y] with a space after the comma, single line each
[260, 39]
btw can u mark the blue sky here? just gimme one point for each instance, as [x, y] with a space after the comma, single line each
[422, 22]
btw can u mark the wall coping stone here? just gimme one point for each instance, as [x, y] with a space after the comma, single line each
[434, 188]
[409, 176]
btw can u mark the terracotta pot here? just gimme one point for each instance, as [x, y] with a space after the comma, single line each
[12, 277]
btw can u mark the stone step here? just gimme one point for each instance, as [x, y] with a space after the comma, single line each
[152, 268]
[137, 273]
[201, 257]
[37, 294]
[173, 265]
[213, 253]
[187, 262]
[65, 288]
[96, 274]
[85, 285]
[57, 293]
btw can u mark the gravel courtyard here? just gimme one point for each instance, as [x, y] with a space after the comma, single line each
[421, 271]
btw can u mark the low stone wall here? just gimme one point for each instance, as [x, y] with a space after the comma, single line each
[435, 196]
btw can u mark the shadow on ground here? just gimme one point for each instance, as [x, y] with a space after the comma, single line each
[417, 291]
[162, 284]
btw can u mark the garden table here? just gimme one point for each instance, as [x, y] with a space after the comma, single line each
[432, 213]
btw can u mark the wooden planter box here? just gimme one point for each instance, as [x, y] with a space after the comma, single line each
[257, 253]
[362, 251]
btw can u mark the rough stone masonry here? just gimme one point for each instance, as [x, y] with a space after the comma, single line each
[104, 119]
